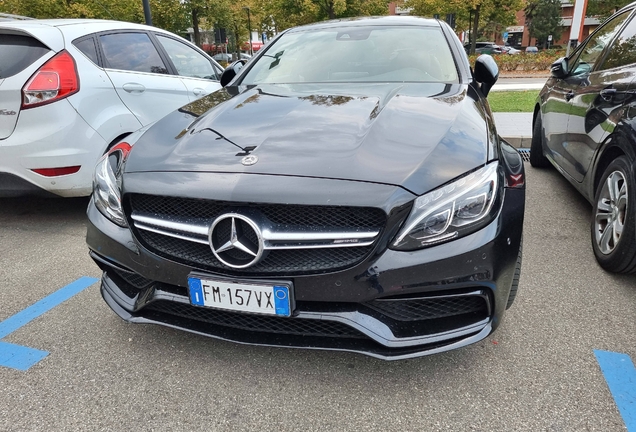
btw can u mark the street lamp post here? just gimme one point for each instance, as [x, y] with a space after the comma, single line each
[249, 29]
[147, 15]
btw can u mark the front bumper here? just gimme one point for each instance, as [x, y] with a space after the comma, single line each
[334, 310]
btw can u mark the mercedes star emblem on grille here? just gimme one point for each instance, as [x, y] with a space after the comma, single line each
[236, 240]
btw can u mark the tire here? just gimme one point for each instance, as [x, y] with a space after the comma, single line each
[515, 280]
[537, 158]
[614, 218]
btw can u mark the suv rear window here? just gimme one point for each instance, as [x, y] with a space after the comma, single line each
[18, 52]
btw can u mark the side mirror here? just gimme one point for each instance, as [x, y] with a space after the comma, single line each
[231, 71]
[486, 72]
[559, 68]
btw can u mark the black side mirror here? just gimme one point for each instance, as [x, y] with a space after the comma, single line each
[486, 72]
[231, 71]
[559, 68]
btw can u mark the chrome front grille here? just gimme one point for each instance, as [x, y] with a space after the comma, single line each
[295, 239]
[274, 236]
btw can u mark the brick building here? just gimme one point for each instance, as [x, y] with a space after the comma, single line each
[518, 35]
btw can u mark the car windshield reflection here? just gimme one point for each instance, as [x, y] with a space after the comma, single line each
[357, 54]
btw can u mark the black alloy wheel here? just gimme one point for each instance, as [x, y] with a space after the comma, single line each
[614, 218]
[537, 158]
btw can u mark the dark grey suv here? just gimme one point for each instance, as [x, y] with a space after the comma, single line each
[584, 124]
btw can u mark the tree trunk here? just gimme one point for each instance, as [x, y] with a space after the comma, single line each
[195, 27]
[473, 42]
[332, 14]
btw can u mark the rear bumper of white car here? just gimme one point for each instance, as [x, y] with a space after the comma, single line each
[49, 136]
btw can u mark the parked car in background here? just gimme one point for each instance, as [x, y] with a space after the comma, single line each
[510, 50]
[532, 50]
[485, 48]
[584, 125]
[70, 89]
[346, 190]
[223, 57]
[227, 57]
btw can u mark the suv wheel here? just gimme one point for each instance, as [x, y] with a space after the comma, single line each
[537, 159]
[614, 219]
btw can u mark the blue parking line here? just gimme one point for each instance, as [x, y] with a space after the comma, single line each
[21, 357]
[620, 375]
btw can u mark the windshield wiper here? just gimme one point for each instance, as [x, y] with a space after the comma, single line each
[246, 150]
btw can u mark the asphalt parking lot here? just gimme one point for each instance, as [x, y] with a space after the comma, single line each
[537, 372]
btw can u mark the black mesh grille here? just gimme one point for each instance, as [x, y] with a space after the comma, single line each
[275, 262]
[341, 217]
[262, 323]
[186, 208]
[429, 308]
[134, 279]
[280, 262]
[316, 216]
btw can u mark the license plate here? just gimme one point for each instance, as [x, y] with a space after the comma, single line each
[267, 299]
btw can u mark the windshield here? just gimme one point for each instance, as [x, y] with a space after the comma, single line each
[356, 54]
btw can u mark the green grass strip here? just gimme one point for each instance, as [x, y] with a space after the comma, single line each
[512, 101]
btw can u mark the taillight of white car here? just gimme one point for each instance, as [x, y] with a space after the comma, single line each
[55, 80]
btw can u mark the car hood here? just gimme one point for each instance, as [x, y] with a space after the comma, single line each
[417, 136]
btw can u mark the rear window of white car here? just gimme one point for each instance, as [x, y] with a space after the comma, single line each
[18, 52]
[87, 46]
[132, 52]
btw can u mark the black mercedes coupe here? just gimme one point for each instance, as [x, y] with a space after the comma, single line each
[345, 190]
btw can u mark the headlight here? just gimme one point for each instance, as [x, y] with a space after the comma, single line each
[452, 211]
[107, 183]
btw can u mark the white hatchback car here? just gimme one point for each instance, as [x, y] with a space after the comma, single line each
[69, 89]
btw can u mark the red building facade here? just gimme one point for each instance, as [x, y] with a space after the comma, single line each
[519, 34]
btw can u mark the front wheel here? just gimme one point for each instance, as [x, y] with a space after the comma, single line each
[537, 159]
[614, 219]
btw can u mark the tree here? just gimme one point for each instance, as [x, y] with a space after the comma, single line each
[481, 17]
[543, 18]
[604, 8]
[167, 14]
[282, 14]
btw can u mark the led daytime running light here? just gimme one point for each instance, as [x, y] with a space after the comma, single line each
[449, 211]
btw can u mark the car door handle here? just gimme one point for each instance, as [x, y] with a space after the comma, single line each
[569, 95]
[134, 88]
[199, 92]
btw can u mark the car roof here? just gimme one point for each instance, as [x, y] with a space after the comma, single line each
[71, 28]
[78, 26]
[401, 20]
[62, 22]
